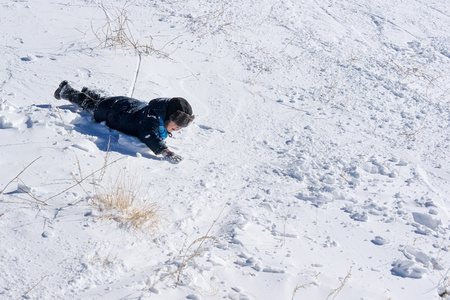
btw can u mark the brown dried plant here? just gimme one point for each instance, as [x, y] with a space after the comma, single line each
[122, 203]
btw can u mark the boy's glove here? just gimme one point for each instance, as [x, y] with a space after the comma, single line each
[171, 157]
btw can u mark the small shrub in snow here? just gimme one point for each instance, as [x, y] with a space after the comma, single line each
[122, 203]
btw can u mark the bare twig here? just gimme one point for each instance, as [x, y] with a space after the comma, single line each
[186, 257]
[27, 191]
[20, 173]
[117, 33]
[136, 74]
[288, 43]
[201, 241]
[33, 287]
[336, 291]
[298, 287]
[83, 179]
[342, 175]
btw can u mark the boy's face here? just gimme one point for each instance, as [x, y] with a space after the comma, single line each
[172, 127]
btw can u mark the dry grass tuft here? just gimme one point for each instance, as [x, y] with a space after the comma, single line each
[121, 202]
[118, 32]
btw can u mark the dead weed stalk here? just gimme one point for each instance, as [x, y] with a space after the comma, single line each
[20, 173]
[187, 255]
[122, 203]
[23, 188]
[336, 291]
[118, 33]
[190, 255]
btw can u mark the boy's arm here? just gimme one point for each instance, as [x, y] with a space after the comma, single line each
[148, 136]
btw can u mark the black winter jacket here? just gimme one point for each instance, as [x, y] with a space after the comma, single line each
[134, 117]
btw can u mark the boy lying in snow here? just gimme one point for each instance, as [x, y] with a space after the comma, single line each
[151, 122]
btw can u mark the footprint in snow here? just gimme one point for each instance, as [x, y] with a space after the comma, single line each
[47, 234]
[380, 241]
[30, 57]
[204, 127]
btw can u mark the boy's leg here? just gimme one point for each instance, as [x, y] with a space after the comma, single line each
[93, 94]
[65, 91]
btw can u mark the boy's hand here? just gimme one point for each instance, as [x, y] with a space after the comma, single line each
[171, 157]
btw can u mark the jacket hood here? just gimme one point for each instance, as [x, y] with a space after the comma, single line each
[177, 104]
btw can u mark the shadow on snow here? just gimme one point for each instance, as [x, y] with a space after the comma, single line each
[107, 139]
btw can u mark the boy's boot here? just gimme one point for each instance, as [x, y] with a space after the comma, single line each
[64, 91]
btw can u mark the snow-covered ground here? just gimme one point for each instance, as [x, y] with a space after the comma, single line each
[317, 166]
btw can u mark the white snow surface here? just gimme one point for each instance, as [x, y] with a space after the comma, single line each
[317, 166]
